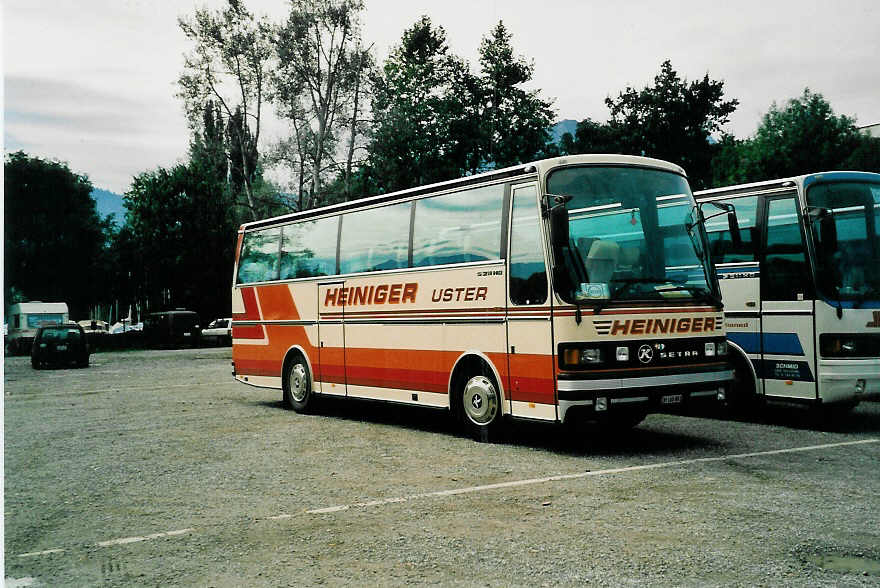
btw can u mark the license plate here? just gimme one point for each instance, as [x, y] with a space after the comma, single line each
[186, 334]
[61, 348]
[671, 399]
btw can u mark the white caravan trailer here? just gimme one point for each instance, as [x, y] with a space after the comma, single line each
[26, 317]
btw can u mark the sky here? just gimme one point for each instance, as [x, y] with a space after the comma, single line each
[93, 82]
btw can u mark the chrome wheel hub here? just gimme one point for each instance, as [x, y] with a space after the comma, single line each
[480, 400]
[298, 383]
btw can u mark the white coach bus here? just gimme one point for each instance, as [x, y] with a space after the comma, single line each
[440, 296]
[798, 260]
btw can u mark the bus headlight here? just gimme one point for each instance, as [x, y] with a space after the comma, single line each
[582, 356]
[835, 345]
[721, 348]
[623, 354]
[710, 349]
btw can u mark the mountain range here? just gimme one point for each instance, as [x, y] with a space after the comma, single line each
[109, 203]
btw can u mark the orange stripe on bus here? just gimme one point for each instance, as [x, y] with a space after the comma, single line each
[251, 311]
[277, 303]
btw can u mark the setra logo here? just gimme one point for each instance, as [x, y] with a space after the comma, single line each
[646, 354]
[876, 322]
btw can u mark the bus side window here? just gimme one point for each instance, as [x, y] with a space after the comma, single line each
[459, 227]
[784, 272]
[308, 248]
[375, 239]
[723, 249]
[258, 261]
[528, 274]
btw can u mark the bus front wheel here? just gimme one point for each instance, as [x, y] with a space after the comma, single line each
[297, 385]
[742, 396]
[481, 407]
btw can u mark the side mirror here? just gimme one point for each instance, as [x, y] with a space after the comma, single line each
[559, 236]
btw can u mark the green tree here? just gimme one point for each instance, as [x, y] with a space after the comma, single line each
[55, 242]
[865, 157]
[426, 113]
[672, 120]
[590, 137]
[319, 85]
[801, 137]
[515, 121]
[229, 67]
[209, 143]
[181, 239]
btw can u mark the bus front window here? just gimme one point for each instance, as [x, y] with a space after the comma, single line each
[629, 238]
[846, 234]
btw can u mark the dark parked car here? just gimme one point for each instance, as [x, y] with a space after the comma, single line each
[61, 344]
[172, 328]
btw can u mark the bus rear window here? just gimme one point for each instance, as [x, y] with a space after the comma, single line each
[259, 256]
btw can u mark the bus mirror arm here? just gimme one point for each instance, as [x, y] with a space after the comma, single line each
[814, 213]
[732, 221]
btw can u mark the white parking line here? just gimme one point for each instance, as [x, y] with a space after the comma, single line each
[144, 538]
[517, 483]
[46, 552]
[483, 488]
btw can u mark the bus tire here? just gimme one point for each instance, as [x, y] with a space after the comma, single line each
[297, 384]
[480, 406]
[622, 420]
[742, 398]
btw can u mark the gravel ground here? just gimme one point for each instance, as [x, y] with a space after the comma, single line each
[215, 480]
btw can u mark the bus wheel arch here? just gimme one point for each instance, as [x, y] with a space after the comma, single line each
[296, 380]
[475, 381]
[743, 391]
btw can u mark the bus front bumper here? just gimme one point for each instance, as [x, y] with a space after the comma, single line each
[848, 380]
[650, 393]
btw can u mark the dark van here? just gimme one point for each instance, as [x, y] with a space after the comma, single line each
[60, 344]
[172, 328]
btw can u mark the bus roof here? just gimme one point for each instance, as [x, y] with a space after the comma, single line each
[800, 180]
[543, 166]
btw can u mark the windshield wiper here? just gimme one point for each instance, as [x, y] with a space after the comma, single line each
[861, 298]
[696, 291]
[626, 284]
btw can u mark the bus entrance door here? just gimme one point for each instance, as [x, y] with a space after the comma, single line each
[787, 341]
[531, 386]
[331, 337]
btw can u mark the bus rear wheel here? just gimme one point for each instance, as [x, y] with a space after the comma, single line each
[481, 407]
[297, 385]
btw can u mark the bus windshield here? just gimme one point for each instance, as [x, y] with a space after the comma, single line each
[632, 236]
[846, 233]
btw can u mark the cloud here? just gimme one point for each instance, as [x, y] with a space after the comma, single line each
[73, 107]
[102, 133]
